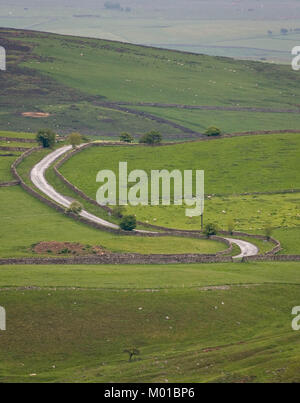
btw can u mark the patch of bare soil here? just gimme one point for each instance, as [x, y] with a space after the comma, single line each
[35, 114]
[67, 248]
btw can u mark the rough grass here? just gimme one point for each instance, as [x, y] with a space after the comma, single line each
[185, 332]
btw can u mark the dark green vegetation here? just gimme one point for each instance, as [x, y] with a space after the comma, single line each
[198, 323]
[80, 81]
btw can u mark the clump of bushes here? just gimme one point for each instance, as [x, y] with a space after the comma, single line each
[213, 131]
[126, 138]
[75, 139]
[128, 223]
[210, 230]
[153, 137]
[46, 138]
[75, 208]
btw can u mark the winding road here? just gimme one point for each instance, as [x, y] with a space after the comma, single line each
[37, 176]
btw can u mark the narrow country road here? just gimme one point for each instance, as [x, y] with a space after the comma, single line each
[247, 248]
[37, 176]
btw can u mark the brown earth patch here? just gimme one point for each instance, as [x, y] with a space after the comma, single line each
[67, 248]
[35, 114]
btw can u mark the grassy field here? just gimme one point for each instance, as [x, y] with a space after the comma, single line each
[5, 163]
[75, 79]
[35, 222]
[228, 121]
[230, 165]
[18, 135]
[236, 163]
[172, 314]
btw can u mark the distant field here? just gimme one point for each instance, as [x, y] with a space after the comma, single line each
[19, 135]
[216, 27]
[172, 314]
[228, 121]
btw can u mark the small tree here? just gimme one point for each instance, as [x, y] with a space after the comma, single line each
[46, 138]
[153, 137]
[126, 138]
[128, 223]
[210, 229]
[118, 211]
[131, 352]
[268, 231]
[75, 139]
[75, 208]
[213, 131]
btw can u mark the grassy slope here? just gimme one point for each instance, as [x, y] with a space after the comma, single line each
[231, 165]
[125, 72]
[236, 162]
[229, 121]
[78, 71]
[35, 222]
[177, 322]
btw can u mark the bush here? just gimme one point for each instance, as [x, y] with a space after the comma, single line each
[118, 211]
[210, 229]
[75, 139]
[128, 223]
[126, 138]
[75, 207]
[46, 138]
[153, 137]
[213, 131]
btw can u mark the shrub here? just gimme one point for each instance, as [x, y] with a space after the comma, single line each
[118, 211]
[128, 223]
[46, 138]
[75, 139]
[210, 229]
[153, 137]
[126, 138]
[75, 207]
[213, 131]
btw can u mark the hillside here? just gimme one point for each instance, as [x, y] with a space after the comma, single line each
[98, 87]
